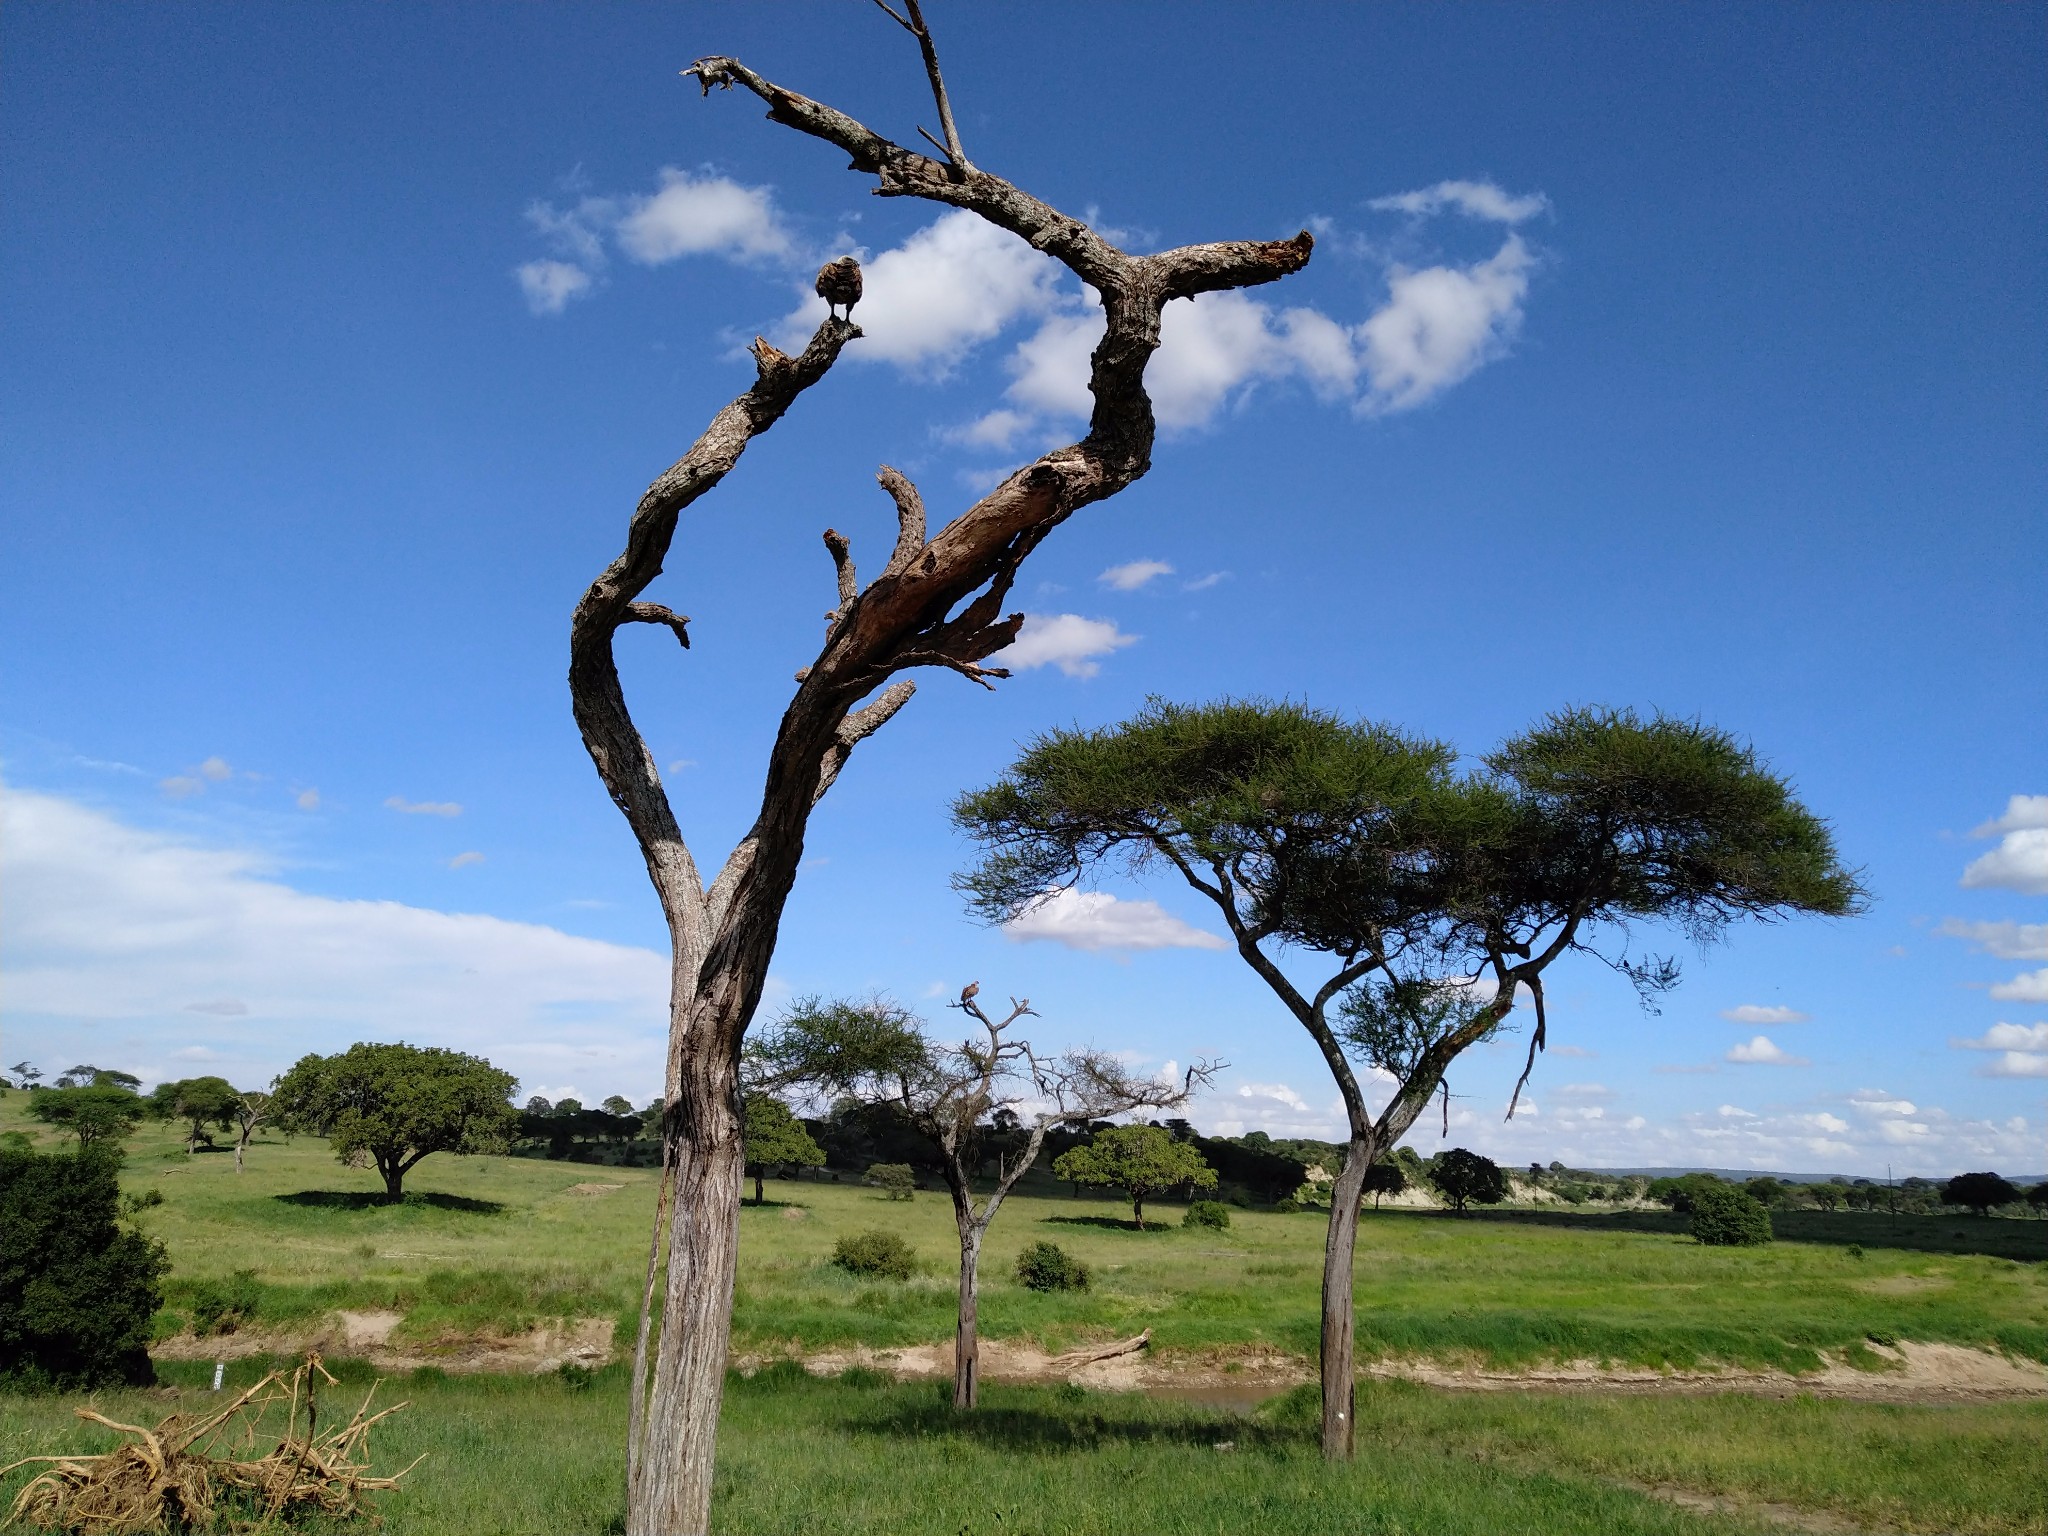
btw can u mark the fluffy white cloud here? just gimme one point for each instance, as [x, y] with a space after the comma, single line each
[2027, 987]
[137, 949]
[2019, 1064]
[2018, 863]
[1477, 199]
[2008, 1037]
[1130, 577]
[1096, 920]
[1275, 1108]
[550, 285]
[1732, 1112]
[1440, 324]
[182, 786]
[2022, 813]
[464, 860]
[216, 770]
[951, 286]
[700, 216]
[1757, 1013]
[308, 799]
[1063, 640]
[1761, 1052]
[2006, 940]
[406, 807]
[997, 430]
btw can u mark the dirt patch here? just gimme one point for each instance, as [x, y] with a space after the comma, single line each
[585, 1341]
[1916, 1373]
[795, 1213]
[592, 1189]
[1820, 1521]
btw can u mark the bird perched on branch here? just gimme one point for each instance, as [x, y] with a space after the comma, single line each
[967, 992]
[839, 285]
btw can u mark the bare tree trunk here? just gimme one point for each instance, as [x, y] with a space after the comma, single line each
[238, 1155]
[1340, 1395]
[394, 1183]
[966, 1332]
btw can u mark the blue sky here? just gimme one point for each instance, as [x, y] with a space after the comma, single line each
[1685, 358]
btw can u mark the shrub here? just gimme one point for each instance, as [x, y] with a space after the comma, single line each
[1286, 1207]
[896, 1180]
[222, 1306]
[77, 1291]
[1207, 1213]
[1049, 1267]
[1726, 1217]
[875, 1253]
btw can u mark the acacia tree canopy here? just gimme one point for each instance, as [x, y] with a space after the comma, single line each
[396, 1104]
[1466, 1178]
[97, 1116]
[198, 1101]
[776, 1136]
[1439, 896]
[1140, 1160]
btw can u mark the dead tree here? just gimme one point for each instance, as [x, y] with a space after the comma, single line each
[251, 1110]
[937, 603]
[877, 1053]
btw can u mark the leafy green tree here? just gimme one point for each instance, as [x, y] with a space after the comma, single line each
[2037, 1197]
[200, 1102]
[897, 1181]
[1979, 1192]
[1465, 1178]
[619, 1105]
[1826, 1195]
[1728, 1216]
[1766, 1191]
[1316, 836]
[393, 1105]
[775, 1136]
[77, 1289]
[1140, 1160]
[96, 1116]
[1384, 1178]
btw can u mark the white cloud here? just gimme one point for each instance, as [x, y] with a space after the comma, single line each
[1049, 370]
[1761, 1052]
[2008, 1037]
[216, 770]
[114, 931]
[1584, 1092]
[1063, 640]
[951, 286]
[550, 285]
[1875, 1101]
[182, 786]
[997, 430]
[2019, 1064]
[1757, 1013]
[1275, 1108]
[308, 799]
[2018, 863]
[464, 860]
[2006, 940]
[2022, 813]
[1096, 920]
[702, 216]
[1440, 324]
[1731, 1112]
[407, 807]
[1130, 577]
[1572, 1050]
[1204, 583]
[2027, 987]
[1478, 199]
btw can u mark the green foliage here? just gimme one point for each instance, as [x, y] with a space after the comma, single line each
[776, 1138]
[96, 1114]
[1724, 1216]
[222, 1306]
[77, 1291]
[837, 1047]
[1049, 1267]
[1767, 1191]
[1824, 1196]
[896, 1180]
[2037, 1197]
[1979, 1192]
[875, 1254]
[1680, 1192]
[396, 1104]
[1465, 1178]
[1207, 1213]
[1383, 1179]
[1140, 1160]
[199, 1102]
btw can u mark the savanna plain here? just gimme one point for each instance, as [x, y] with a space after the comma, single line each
[1533, 1370]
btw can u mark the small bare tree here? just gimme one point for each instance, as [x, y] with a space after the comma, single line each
[251, 1110]
[955, 1095]
[921, 611]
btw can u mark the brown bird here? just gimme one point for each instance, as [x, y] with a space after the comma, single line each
[839, 285]
[967, 992]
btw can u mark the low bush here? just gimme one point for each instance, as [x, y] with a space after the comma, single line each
[896, 1180]
[1286, 1207]
[1724, 1216]
[876, 1254]
[1049, 1267]
[1207, 1213]
[222, 1306]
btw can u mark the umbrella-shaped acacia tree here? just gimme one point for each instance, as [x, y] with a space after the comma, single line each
[1433, 897]
[937, 602]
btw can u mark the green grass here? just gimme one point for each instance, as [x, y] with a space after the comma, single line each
[860, 1453]
[486, 1246]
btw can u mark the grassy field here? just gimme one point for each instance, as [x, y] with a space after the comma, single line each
[862, 1454]
[487, 1246]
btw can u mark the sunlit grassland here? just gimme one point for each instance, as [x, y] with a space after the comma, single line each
[860, 1453]
[490, 1245]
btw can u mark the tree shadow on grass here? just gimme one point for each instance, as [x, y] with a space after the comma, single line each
[1109, 1223]
[1062, 1429]
[369, 1200]
[1994, 1236]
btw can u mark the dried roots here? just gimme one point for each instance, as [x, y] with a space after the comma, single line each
[185, 1475]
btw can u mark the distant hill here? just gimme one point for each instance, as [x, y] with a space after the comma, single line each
[1742, 1175]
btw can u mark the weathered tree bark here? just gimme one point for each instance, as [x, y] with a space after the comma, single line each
[967, 1328]
[722, 939]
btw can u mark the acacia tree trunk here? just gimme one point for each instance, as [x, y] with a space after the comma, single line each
[966, 1330]
[1338, 1354]
[394, 1179]
[723, 938]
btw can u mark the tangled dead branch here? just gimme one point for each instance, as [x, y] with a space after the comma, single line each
[184, 1474]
